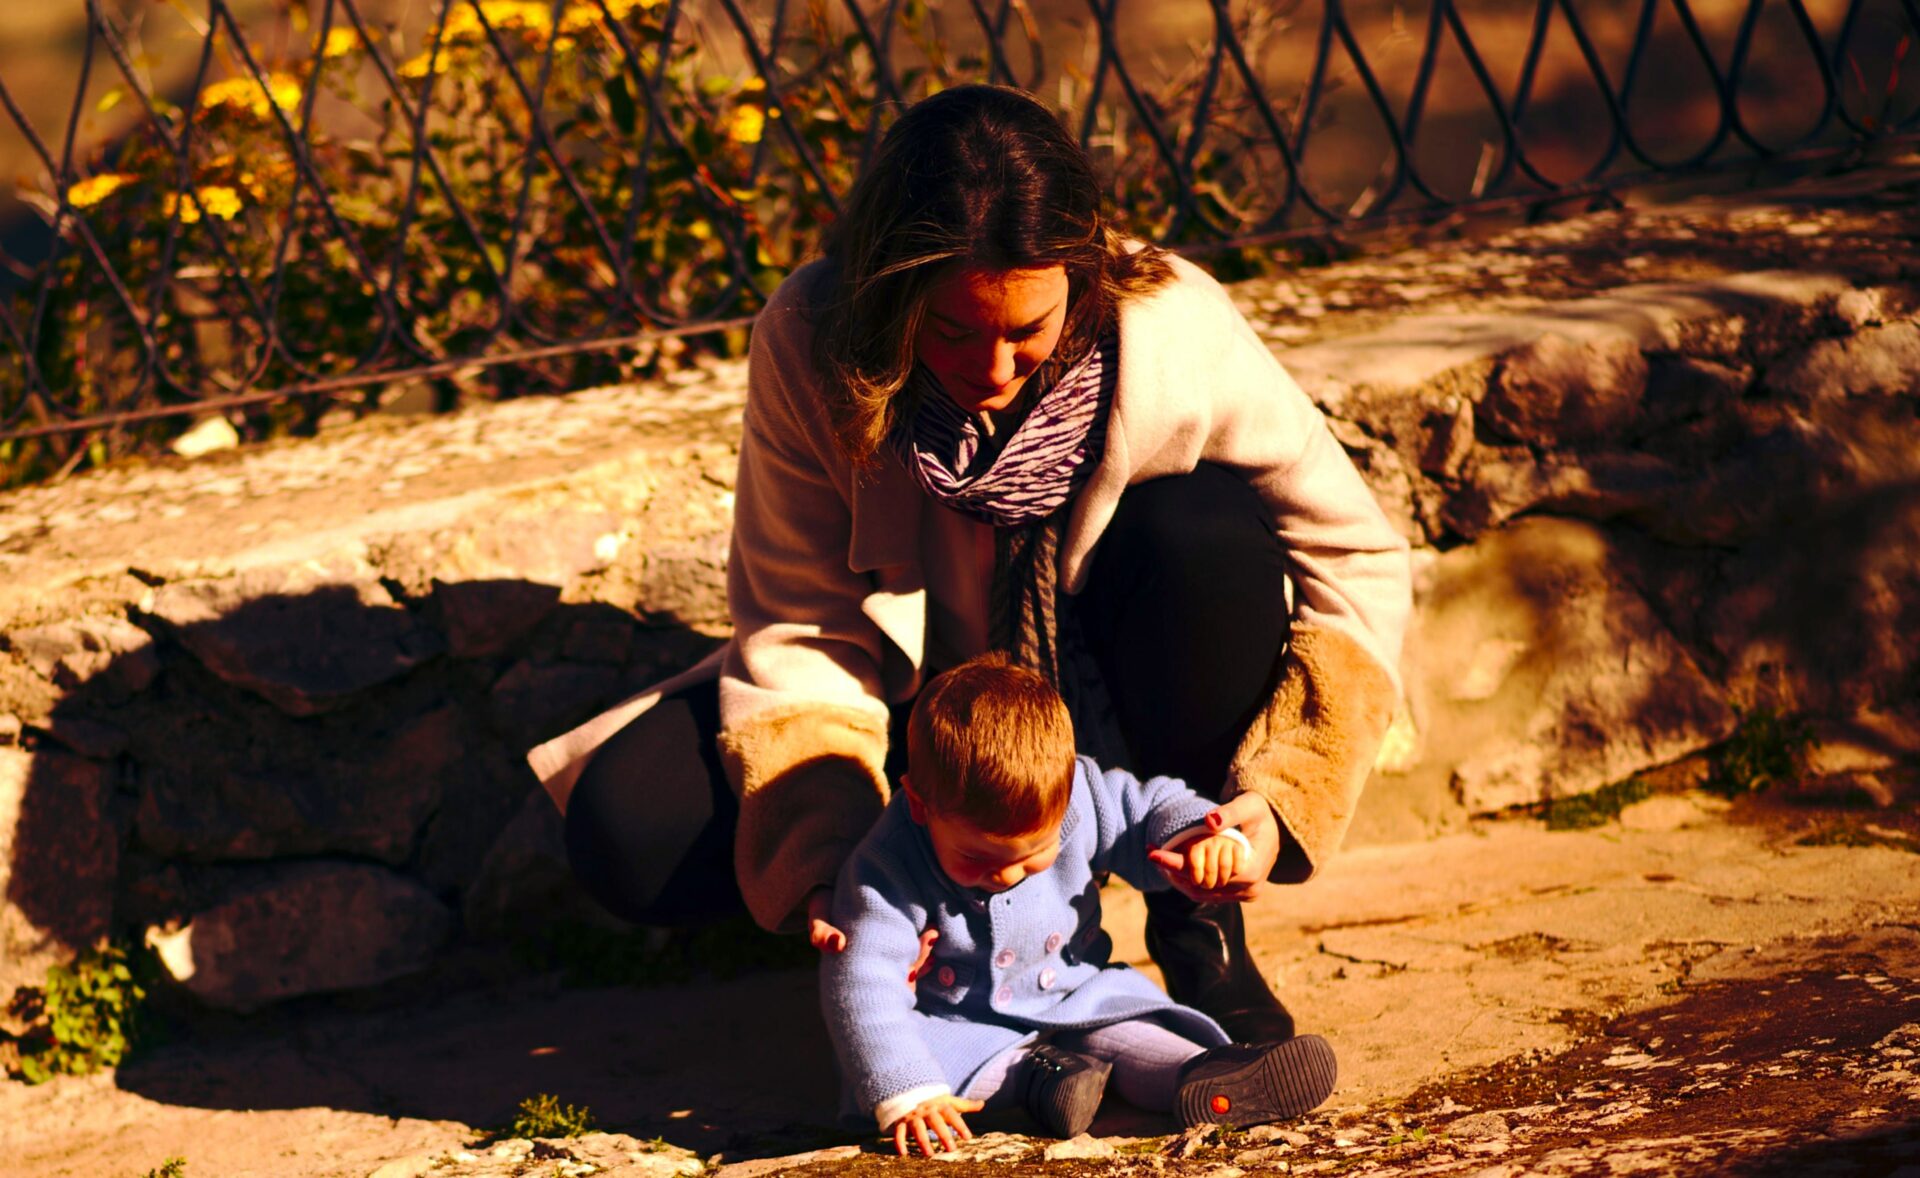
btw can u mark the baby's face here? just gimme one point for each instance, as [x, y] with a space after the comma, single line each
[973, 858]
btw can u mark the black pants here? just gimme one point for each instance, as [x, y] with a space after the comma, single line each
[1184, 610]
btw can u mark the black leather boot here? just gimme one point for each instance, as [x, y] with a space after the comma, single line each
[1201, 950]
[1061, 1089]
[1256, 1084]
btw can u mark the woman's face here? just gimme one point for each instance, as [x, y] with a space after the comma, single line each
[985, 331]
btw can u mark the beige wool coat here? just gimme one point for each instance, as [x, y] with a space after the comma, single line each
[834, 574]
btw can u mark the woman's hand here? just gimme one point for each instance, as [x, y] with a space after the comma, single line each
[1250, 814]
[939, 1118]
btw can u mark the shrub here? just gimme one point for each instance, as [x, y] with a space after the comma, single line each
[1603, 805]
[545, 1116]
[1767, 749]
[88, 1016]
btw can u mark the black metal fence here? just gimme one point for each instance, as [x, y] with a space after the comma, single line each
[273, 210]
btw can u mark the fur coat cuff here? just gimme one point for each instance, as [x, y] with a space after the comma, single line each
[811, 781]
[1310, 750]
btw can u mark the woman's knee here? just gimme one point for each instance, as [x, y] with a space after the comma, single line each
[1195, 533]
[649, 827]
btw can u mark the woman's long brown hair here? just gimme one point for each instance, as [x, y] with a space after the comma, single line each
[980, 175]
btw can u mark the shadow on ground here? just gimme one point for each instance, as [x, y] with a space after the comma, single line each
[736, 1065]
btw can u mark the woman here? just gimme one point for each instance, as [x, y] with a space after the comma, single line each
[986, 419]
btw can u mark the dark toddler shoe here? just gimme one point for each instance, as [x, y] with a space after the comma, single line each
[1061, 1089]
[1256, 1083]
[1201, 950]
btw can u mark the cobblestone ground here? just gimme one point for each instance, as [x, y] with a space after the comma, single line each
[1737, 992]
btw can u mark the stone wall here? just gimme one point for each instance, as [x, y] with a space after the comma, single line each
[268, 707]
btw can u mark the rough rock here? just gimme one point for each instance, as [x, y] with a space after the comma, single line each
[1877, 361]
[1597, 487]
[206, 436]
[1191, 1141]
[686, 581]
[10, 728]
[541, 538]
[1449, 440]
[1541, 672]
[603, 1155]
[1480, 1127]
[1664, 812]
[1680, 387]
[1082, 1147]
[74, 653]
[757, 1167]
[308, 928]
[371, 806]
[1819, 619]
[1559, 390]
[534, 701]
[1747, 474]
[94, 739]
[479, 797]
[990, 1147]
[59, 857]
[605, 640]
[525, 883]
[306, 646]
[484, 618]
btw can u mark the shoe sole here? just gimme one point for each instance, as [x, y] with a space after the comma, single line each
[1285, 1081]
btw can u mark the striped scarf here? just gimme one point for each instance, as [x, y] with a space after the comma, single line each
[1023, 490]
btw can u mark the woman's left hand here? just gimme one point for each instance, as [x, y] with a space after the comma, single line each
[1250, 814]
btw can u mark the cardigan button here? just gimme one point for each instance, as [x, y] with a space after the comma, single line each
[1053, 942]
[1004, 958]
[1047, 978]
[946, 975]
[1004, 996]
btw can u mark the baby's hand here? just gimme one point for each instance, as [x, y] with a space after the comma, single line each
[926, 954]
[820, 931]
[942, 1115]
[1214, 860]
[1208, 863]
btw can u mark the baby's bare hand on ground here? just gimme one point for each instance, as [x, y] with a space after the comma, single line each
[939, 1118]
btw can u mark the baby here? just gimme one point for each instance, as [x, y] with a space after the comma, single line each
[980, 886]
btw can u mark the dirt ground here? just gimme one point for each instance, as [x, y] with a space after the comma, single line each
[1690, 988]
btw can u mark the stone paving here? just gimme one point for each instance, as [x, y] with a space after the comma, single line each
[1694, 987]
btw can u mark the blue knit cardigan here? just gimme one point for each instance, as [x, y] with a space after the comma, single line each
[1006, 967]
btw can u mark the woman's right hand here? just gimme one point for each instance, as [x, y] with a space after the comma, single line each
[942, 1116]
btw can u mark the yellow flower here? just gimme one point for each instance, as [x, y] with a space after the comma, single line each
[188, 209]
[746, 124]
[340, 42]
[420, 67]
[220, 201]
[94, 189]
[214, 200]
[246, 94]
